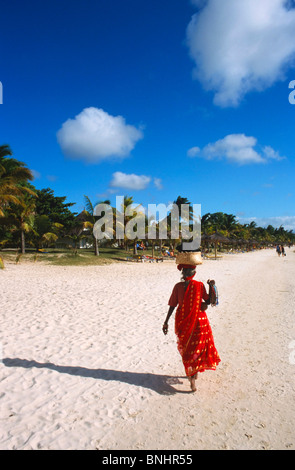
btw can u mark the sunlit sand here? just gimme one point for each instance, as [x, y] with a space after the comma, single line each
[85, 364]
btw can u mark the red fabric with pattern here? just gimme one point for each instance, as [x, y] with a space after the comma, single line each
[194, 335]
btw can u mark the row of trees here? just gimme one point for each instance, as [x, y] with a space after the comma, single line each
[33, 217]
[228, 225]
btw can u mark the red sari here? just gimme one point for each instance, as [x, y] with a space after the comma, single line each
[194, 335]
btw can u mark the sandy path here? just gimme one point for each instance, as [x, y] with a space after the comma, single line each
[86, 365]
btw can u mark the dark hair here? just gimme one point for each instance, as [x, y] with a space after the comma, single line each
[188, 272]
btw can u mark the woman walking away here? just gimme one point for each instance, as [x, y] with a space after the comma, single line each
[194, 335]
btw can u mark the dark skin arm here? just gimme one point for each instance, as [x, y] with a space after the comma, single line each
[165, 326]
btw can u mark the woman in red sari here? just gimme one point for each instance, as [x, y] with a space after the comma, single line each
[194, 335]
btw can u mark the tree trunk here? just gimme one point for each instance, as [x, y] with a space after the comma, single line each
[96, 251]
[22, 239]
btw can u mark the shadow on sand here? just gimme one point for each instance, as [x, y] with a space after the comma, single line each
[161, 384]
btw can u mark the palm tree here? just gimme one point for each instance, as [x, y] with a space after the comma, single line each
[290, 236]
[229, 223]
[13, 174]
[125, 219]
[21, 218]
[43, 231]
[170, 222]
[184, 201]
[90, 209]
[78, 229]
[205, 222]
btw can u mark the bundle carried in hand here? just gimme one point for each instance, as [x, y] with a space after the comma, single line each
[213, 293]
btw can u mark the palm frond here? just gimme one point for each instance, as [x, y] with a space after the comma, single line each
[49, 237]
[88, 205]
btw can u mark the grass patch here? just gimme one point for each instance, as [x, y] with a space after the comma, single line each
[64, 257]
[79, 259]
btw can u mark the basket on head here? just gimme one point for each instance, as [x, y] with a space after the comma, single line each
[190, 258]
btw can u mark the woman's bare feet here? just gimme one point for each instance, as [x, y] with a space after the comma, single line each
[192, 380]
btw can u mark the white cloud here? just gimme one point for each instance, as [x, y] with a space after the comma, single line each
[36, 174]
[51, 177]
[193, 152]
[239, 46]
[158, 183]
[131, 181]
[271, 153]
[239, 149]
[95, 135]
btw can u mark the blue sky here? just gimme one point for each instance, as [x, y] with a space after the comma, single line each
[155, 100]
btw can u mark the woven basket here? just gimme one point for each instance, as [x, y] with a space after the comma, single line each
[191, 258]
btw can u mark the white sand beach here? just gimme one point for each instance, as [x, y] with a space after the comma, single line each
[85, 364]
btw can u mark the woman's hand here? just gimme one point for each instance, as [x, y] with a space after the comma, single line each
[204, 306]
[165, 328]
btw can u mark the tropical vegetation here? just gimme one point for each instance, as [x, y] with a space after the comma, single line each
[37, 219]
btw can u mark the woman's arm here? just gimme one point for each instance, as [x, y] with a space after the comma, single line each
[165, 326]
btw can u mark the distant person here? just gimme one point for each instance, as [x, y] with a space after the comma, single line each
[278, 250]
[283, 250]
[194, 335]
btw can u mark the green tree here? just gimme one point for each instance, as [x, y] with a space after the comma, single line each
[184, 201]
[55, 207]
[13, 175]
[129, 206]
[20, 218]
[229, 223]
[43, 231]
[205, 222]
[90, 210]
[77, 232]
